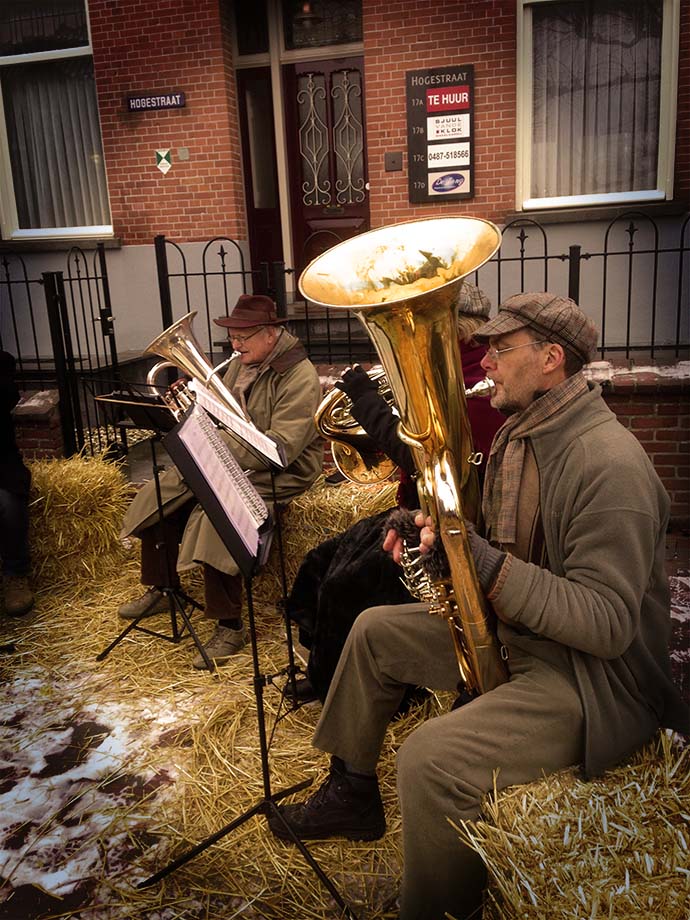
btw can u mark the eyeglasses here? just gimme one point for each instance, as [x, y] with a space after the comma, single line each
[241, 339]
[495, 353]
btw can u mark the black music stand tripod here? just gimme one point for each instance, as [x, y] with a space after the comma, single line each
[156, 419]
[267, 804]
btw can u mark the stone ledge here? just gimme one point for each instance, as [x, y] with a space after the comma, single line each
[665, 380]
[38, 405]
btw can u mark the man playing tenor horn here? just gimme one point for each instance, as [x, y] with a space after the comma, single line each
[572, 561]
[272, 379]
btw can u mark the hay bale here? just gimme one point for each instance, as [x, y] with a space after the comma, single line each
[615, 847]
[76, 513]
[320, 513]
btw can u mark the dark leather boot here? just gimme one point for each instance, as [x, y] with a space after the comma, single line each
[19, 597]
[345, 805]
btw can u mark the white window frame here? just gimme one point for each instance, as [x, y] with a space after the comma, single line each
[667, 119]
[9, 219]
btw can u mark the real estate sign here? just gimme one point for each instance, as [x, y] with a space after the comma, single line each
[440, 109]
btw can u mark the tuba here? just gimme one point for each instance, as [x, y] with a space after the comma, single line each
[179, 347]
[402, 282]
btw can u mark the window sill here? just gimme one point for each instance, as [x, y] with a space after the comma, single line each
[86, 243]
[602, 212]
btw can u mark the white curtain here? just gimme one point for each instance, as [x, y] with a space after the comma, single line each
[596, 84]
[55, 144]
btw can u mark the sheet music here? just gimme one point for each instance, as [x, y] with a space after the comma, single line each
[237, 496]
[243, 429]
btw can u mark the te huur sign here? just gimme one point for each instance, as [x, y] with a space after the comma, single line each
[440, 118]
[148, 101]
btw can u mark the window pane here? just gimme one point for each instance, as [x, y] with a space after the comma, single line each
[321, 22]
[55, 144]
[596, 86]
[28, 26]
[259, 104]
[251, 25]
[314, 146]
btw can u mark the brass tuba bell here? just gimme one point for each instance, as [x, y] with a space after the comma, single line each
[403, 282]
[180, 348]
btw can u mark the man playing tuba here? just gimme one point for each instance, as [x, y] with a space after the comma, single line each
[272, 379]
[572, 560]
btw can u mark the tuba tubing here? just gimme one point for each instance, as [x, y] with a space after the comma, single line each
[402, 282]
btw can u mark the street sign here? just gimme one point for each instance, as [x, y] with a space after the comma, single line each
[167, 100]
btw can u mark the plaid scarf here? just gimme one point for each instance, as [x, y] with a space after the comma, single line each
[504, 469]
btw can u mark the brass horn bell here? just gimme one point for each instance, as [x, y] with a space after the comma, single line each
[180, 348]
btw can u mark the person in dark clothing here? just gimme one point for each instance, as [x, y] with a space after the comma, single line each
[15, 481]
[350, 572]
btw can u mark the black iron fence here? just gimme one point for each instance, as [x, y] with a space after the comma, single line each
[59, 326]
[636, 287]
[211, 288]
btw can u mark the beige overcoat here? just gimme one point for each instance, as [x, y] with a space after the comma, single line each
[281, 403]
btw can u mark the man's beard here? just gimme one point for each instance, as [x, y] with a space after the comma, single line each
[510, 409]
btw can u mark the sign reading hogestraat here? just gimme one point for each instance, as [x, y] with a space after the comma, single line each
[143, 103]
[440, 117]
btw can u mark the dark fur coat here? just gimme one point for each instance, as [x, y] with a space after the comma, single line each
[337, 580]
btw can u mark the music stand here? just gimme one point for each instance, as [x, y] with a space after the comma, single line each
[200, 481]
[148, 413]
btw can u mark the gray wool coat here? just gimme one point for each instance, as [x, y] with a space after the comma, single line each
[281, 403]
[606, 597]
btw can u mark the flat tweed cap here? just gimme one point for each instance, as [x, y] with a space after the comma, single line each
[473, 301]
[555, 319]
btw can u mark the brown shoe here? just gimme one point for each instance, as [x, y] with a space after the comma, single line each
[224, 643]
[19, 598]
[151, 602]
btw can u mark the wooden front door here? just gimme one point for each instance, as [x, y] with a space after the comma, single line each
[326, 154]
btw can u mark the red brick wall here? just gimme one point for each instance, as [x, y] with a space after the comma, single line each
[657, 411]
[37, 426]
[152, 45]
[401, 36]
[142, 46]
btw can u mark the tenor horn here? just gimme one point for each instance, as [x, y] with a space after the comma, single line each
[353, 450]
[179, 347]
[354, 453]
[403, 283]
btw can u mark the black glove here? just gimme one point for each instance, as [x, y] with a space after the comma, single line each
[487, 559]
[356, 382]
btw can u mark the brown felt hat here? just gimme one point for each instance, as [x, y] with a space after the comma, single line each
[251, 310]
[555, 319]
